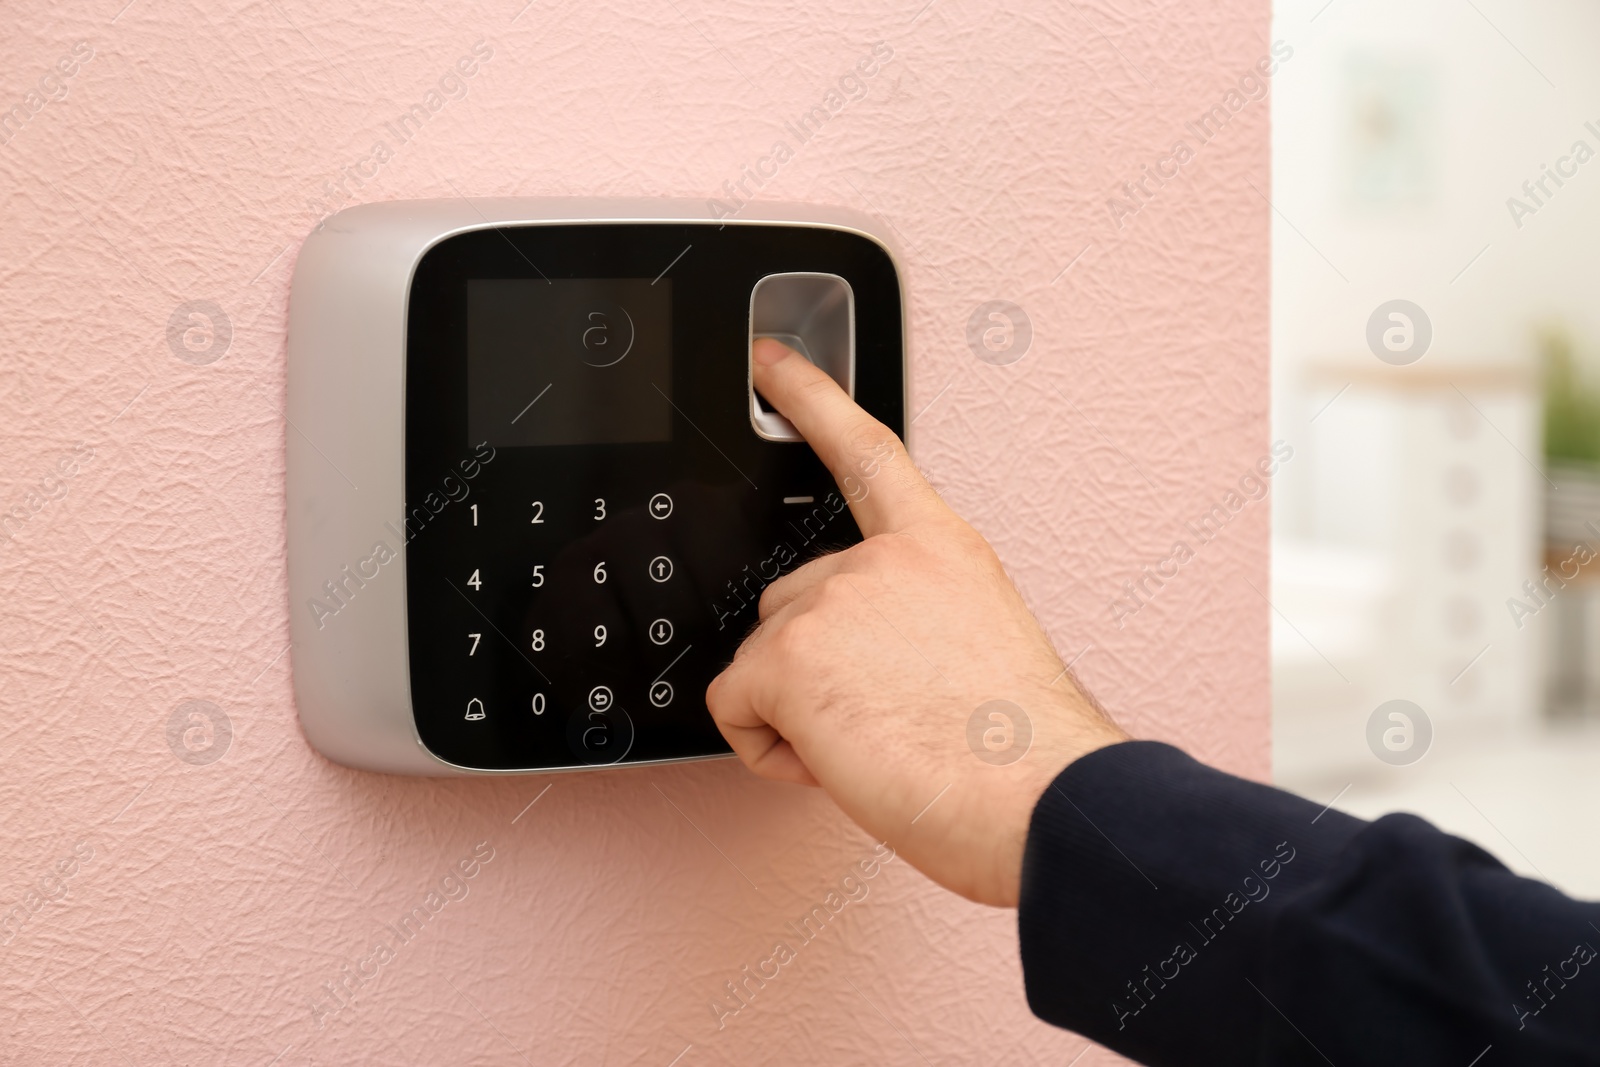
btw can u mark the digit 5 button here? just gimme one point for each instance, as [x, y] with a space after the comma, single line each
[660, 632]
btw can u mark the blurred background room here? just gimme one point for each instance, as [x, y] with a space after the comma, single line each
[1436, 367]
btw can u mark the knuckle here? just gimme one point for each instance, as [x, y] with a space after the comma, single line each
[877, 551]
[748, 645]
[836, 587]
[969, 542]
[870, 443]
[715, 693]
[896, 551]
[771, 597]
[796, 639]
[815, 390]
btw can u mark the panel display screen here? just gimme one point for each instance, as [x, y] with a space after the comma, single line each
[591, 356]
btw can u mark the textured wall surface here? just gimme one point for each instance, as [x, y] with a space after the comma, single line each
[172, 899]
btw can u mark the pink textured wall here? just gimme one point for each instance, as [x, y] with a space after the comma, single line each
[162, 909]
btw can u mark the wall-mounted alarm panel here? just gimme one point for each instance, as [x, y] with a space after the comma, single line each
[532, 496]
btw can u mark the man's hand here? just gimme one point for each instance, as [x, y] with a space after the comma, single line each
[869, 665]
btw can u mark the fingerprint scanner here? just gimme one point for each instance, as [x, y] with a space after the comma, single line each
[815, 315]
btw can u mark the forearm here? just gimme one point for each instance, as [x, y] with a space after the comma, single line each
[1181, 915]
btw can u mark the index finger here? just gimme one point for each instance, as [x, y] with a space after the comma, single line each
[885, 491]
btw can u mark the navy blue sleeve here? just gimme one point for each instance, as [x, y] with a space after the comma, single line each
[1179, 915]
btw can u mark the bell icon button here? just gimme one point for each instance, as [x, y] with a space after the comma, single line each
[475, 710]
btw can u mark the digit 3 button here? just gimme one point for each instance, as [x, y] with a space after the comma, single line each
[661, 694]
[660, 632]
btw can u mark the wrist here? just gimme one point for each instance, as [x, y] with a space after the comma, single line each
[1043, 765]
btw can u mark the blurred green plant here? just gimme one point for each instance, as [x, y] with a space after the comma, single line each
[1571, 403]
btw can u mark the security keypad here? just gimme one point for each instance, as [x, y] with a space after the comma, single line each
[568, 604]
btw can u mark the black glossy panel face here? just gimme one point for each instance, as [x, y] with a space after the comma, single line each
[568, 603]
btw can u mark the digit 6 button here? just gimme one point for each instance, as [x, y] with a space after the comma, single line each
[660, 632]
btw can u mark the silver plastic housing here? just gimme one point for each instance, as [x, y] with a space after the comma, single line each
[346, 446]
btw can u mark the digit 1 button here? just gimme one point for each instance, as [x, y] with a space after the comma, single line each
[660, 506]
[660, 632]
[600, 698]
[660, 569]
[661, 694]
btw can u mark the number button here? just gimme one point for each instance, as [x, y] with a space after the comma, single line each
[660, 632]
[660, 569]
[600, 698]
[660, 506]
[661, 694]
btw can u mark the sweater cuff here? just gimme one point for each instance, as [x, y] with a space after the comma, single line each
[1150, 883]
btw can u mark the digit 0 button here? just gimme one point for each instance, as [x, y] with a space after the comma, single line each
[660, 569]
[660, 632]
